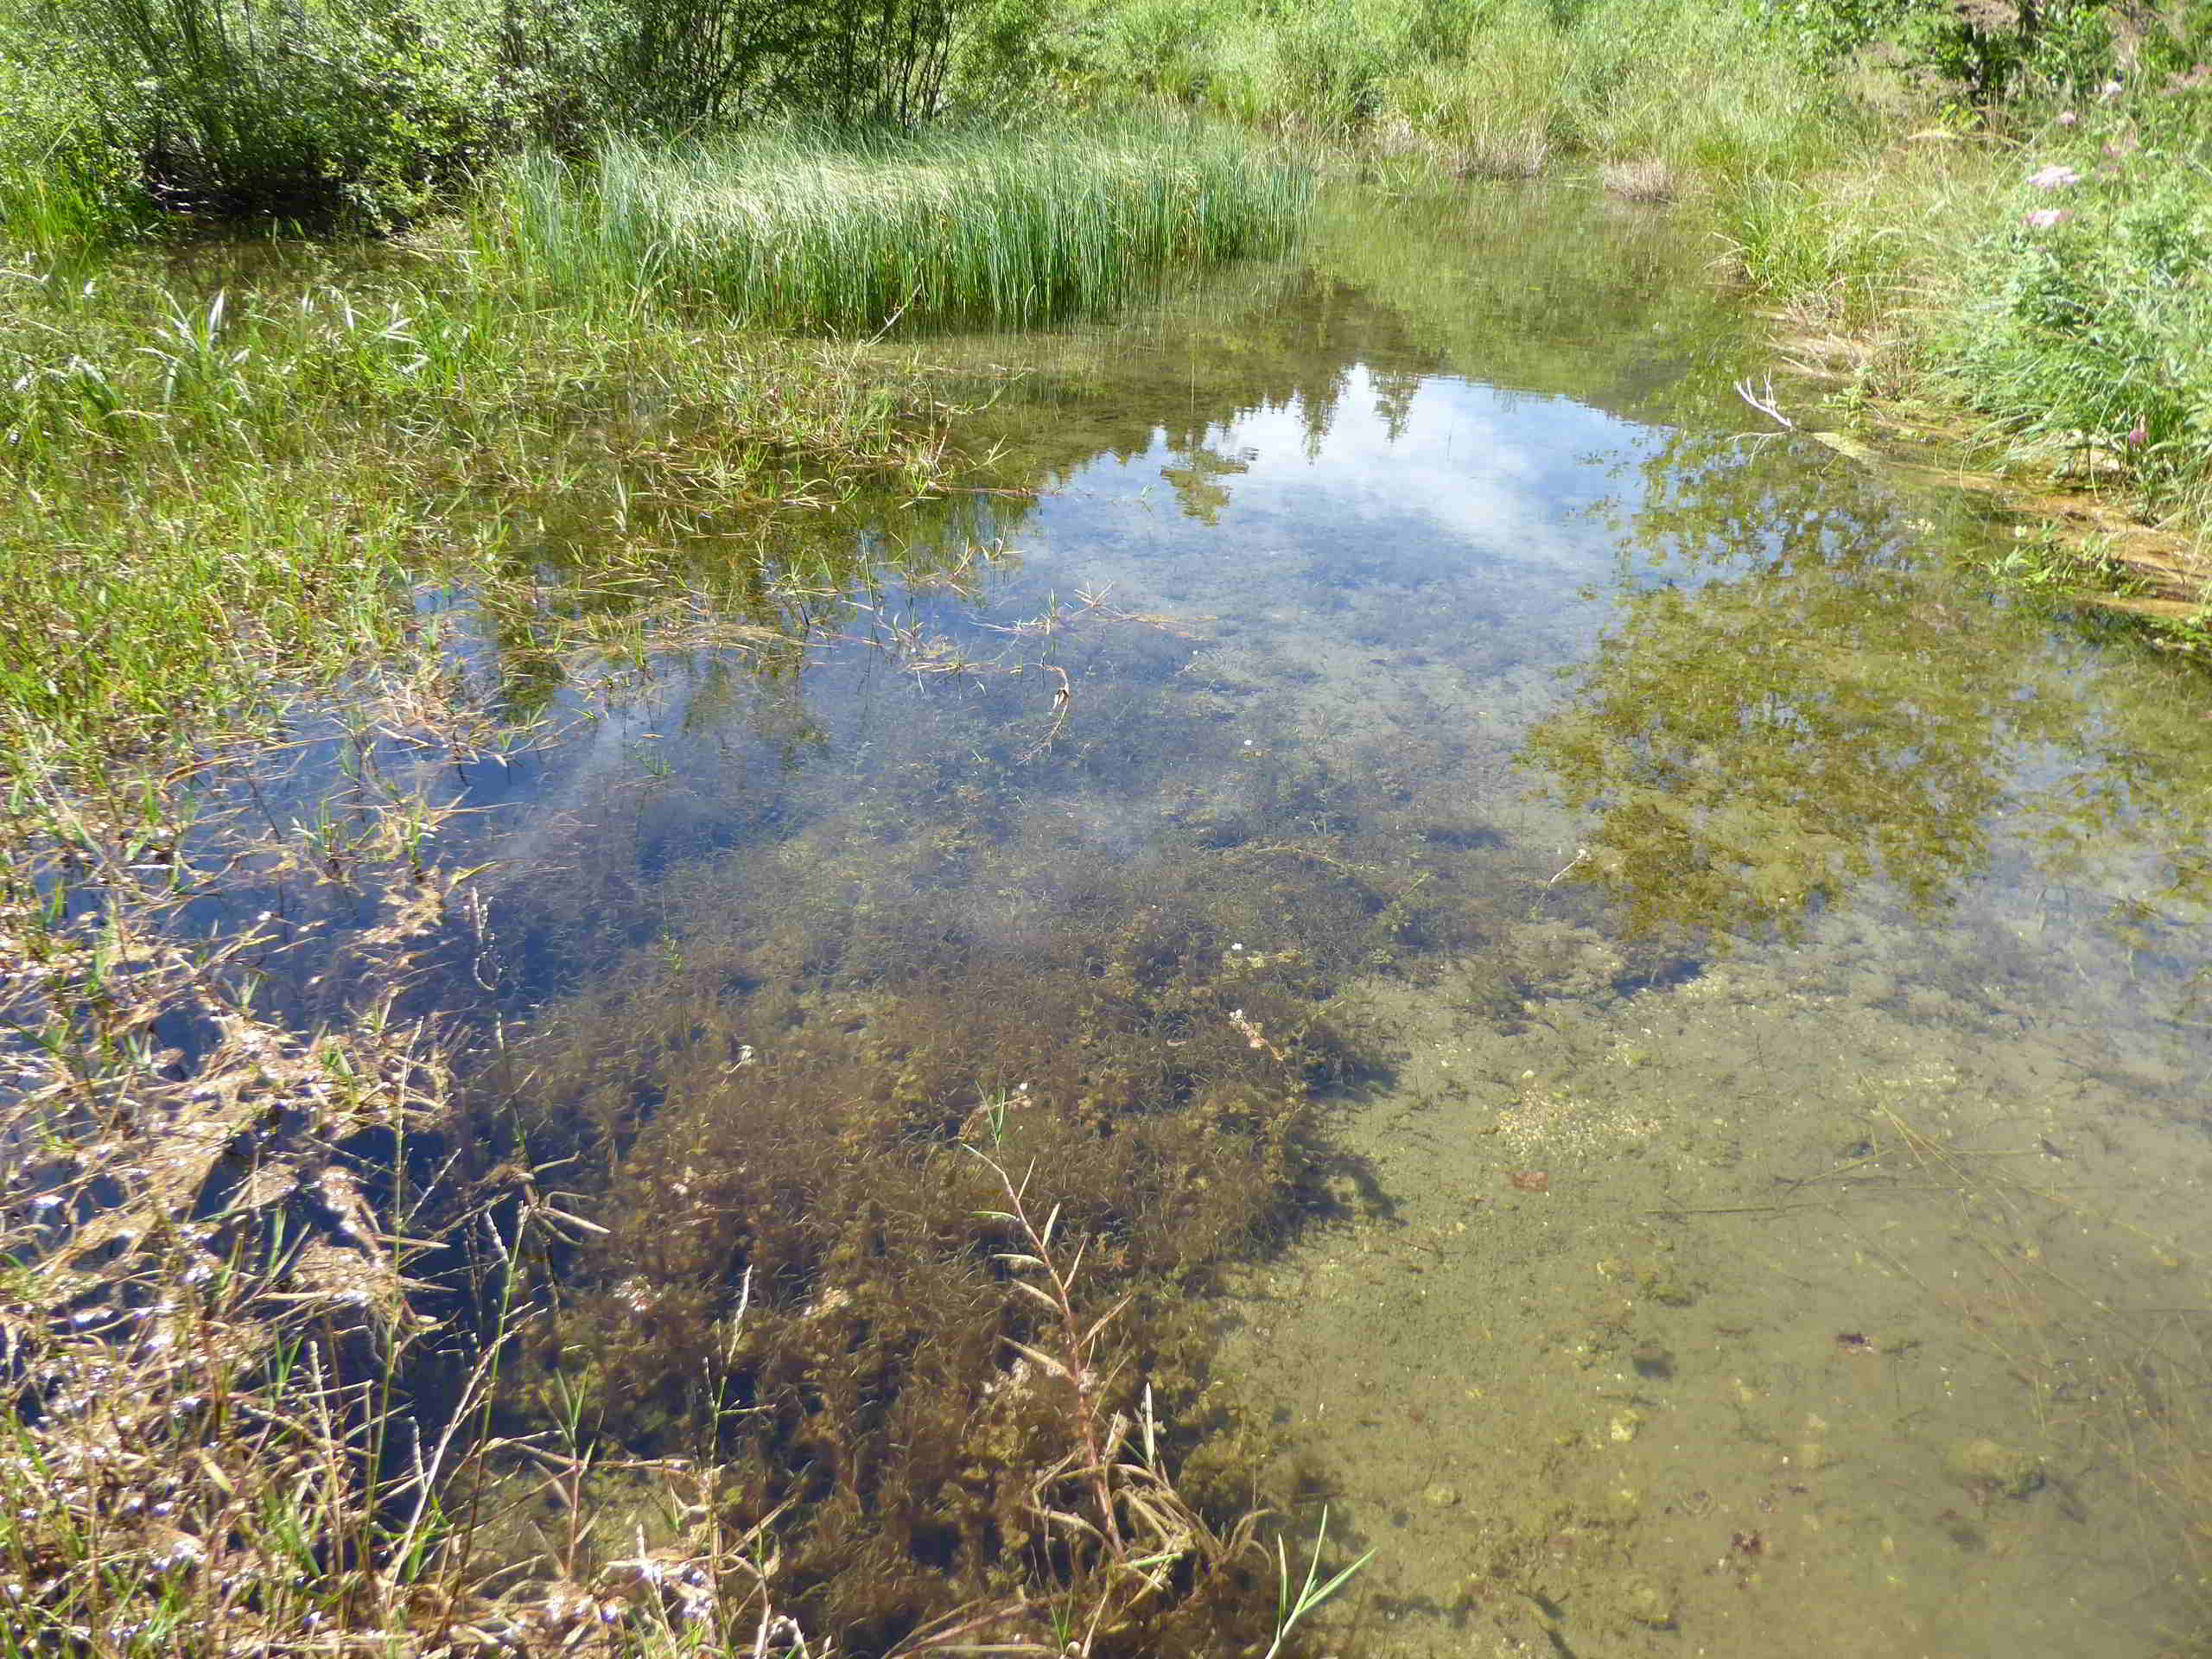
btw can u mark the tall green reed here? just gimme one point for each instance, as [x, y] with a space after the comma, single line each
[804, 230]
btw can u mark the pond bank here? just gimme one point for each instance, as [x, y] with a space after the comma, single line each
[2072, 545]
[1990, 223]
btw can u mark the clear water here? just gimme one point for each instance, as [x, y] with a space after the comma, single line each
[1779, 1221]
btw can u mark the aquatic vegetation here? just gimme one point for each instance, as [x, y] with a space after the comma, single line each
[285, 550]
[799, 228]
[794, 1283]
[796, 1107]
[899, 1017]
[241, 492]
[1846, 752]
[1294, 1600]
[206, 1251]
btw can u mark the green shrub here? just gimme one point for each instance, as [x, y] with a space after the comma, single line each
[369, 112]
[681, 65]
[1988, 54]
[307, 110]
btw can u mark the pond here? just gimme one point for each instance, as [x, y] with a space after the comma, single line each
[1650, 1025]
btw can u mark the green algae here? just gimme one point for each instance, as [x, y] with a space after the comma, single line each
[1868, 723]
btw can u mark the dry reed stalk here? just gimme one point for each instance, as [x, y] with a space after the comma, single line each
[1648, 179]
[1143, 1526]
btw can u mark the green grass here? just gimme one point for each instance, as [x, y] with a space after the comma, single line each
[1694, 88]
[787, 229]
[235, 491]
[1501, 88]
[232, 496]
[2074, 316]
[2081, 324]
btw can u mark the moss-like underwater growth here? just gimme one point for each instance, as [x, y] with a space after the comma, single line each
[792, 1090]
[1866, 725]
[795, 1278]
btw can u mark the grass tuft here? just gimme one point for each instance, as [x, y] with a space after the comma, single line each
[788, 229]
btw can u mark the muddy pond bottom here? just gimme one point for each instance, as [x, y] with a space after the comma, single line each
[1750, 1311]
[1752, 976]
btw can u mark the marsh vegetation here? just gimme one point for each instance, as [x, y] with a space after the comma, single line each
[644, 1020]
[811, 231]
[317, 530]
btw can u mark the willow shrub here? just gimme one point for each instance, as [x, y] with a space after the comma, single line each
[793, 229]
[354, 113]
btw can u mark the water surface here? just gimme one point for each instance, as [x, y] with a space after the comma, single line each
[1765, 1206]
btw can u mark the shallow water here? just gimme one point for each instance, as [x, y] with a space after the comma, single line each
[1771, 1208]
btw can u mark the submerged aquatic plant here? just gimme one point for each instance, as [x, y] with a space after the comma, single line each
[925, 1435]
[1293, 1599]
[933, 1387]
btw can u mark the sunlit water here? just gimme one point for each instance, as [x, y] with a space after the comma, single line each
[1780, 1221]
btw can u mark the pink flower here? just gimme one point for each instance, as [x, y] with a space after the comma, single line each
[2042, 219]
[2067, 119]
[2054, 178]
[2138, 437]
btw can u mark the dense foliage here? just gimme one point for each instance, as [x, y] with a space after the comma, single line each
[315, 111]
[1986, 50]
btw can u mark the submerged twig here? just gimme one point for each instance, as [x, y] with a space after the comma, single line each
[1764, 402]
